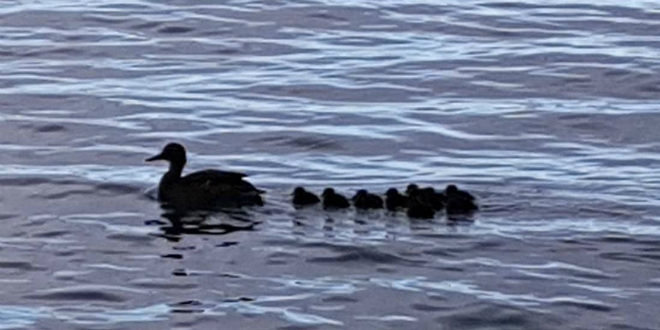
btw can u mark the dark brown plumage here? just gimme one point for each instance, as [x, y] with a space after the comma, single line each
[332, 200]
[204, 189]
[459, 201]
[302, 198]
[364, 200]
[426, 196]
[420, 211]
[394, 200]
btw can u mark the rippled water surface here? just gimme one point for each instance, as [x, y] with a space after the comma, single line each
[546, 110]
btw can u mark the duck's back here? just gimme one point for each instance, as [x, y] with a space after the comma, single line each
[214, 177]
[461, 202]
[210, 188]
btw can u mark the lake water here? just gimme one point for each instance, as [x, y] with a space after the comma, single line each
[546, 110]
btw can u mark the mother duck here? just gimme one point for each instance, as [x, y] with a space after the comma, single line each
[207, 189]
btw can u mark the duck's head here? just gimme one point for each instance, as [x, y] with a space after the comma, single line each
[392, 192]
[298, 191]
[359, 194]
[328, 192]
[451, 189]
[427, 190]
[411, 188]
[173, 153]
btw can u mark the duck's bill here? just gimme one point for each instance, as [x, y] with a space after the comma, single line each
[157, 157]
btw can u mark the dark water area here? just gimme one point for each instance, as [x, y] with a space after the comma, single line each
[546, 110]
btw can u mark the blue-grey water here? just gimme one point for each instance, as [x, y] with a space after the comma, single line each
[548, 111]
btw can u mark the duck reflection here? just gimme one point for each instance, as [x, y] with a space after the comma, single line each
[204, 222]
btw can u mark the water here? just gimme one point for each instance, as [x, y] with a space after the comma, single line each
[547, 110]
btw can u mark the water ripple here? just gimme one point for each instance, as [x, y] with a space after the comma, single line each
[546, 111]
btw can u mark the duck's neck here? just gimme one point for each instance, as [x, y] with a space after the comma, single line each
[173, 174]
[176, 168]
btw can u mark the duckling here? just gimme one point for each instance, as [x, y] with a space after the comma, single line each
[302, 198]
[459, 201]
[332, 200]
[205, 189]
[394, 200]
[427, 196]
[420, 211]
[364, 200]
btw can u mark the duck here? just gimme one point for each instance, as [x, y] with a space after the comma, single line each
[394, 200]
[333, 200]
[207, 189]
[364, 200]
[302, 198]
[459, 201]
[427, 196]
